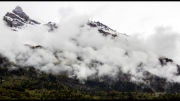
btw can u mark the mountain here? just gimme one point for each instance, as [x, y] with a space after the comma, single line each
[18, 19]
[105, 30]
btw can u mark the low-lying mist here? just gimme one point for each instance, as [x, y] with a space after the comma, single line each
[81, 51]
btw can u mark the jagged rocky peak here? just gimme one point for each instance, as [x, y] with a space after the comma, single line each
[18, 18]
[19, 11]
[104, 29]
[99, 24]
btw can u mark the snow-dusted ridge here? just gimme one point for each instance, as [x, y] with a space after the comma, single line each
[105, 29]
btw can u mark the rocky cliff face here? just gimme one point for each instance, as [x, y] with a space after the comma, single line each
[18, 19]
[104, 29]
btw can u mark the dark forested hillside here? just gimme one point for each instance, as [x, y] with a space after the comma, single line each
[28, 83]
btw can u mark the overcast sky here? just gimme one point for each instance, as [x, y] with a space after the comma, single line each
[124, 17]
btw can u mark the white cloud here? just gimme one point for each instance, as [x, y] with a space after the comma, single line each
[71, 40]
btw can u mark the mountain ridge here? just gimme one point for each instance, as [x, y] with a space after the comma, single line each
[152, 83]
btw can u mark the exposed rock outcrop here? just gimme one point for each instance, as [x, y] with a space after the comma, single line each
[104, 29]
[52, 26]
[18, 18]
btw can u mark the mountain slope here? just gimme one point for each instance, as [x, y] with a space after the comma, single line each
[91, 64]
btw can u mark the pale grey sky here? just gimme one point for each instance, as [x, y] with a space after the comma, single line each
[124, 17]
